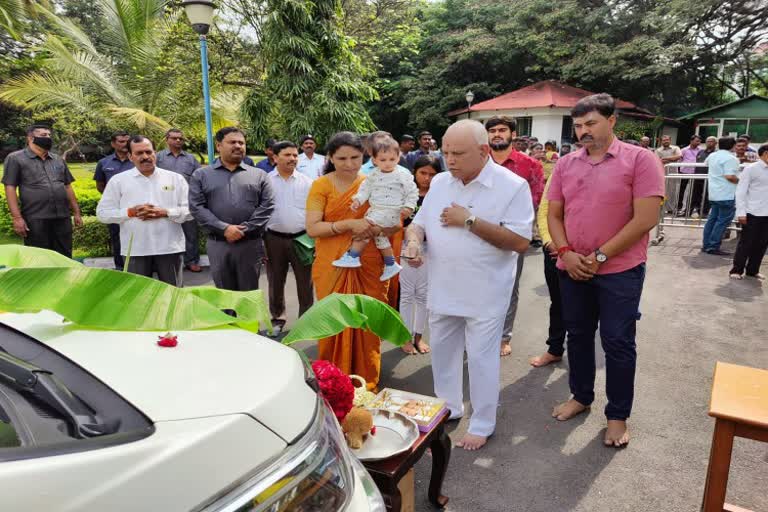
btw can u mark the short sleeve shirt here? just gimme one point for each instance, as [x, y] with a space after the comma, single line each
[598, 199]
[529, 169]
[184, 164]
[110, 166]
[42, 183]
[722, 163]
[468, 276]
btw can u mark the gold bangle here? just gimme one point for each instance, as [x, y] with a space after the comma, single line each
[333, 228]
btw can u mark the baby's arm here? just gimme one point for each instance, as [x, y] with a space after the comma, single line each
[363, 194]
[411, 195]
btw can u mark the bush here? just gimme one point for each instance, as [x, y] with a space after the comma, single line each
[91, 240]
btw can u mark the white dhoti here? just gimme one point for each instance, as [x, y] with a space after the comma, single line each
[449, 337]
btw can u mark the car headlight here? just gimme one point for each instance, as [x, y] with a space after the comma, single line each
[313, 475]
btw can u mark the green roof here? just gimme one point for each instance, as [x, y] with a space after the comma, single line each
[752, 106]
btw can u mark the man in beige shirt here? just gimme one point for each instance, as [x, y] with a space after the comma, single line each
[668, 152]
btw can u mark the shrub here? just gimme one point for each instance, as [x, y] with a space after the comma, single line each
[91, 240]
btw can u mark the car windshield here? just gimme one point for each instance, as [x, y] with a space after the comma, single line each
[8, 436]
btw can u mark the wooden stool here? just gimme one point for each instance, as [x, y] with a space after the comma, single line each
[740, 408]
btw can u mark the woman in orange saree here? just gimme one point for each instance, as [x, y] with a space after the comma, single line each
[332, 224]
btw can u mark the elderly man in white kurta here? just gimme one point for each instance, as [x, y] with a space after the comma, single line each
[477, 219]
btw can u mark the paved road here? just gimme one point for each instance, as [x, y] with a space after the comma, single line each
[693, 316]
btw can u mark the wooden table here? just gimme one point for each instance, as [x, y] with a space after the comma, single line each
[387, 473]
[740, 408]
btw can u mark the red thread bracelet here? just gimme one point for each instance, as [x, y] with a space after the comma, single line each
[564, 249]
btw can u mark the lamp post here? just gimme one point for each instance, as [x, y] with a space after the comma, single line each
[470, 96]
[200, 15]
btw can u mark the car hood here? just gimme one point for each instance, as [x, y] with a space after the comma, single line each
[209, 373]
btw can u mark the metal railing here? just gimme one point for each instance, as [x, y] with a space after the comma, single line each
[686, 201]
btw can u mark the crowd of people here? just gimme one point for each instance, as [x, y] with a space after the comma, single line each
[450, 229]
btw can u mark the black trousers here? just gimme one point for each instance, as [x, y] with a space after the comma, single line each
[556, 339]
[752, 246]
[167, 267]
[53, 234]
[114, 241]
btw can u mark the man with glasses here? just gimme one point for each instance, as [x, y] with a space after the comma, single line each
[175, 159]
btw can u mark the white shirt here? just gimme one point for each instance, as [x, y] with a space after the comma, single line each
[290, 214]
[468, 276]
[392, 190]
[164, 189]
[752, 190]
[312, 168]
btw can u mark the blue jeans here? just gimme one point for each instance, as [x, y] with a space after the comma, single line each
[720, 216]
[613, 301]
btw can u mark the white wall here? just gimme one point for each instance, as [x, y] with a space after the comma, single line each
[547, 128]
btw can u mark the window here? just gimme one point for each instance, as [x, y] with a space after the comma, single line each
[708, 130]
[758, 130]
[734, 127]
[524, 125]
[567, 134]
[8, 436]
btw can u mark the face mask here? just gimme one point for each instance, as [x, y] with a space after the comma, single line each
[44, 142]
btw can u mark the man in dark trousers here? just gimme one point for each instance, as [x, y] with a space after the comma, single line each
[603, 201]
[175, 159]
[42, 217]
[106, 168]
[233, 202]
[288, 222]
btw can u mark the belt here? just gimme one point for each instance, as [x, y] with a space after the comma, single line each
[222, 238]
[285, 235]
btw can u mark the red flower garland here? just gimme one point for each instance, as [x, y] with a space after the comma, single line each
[335, 386]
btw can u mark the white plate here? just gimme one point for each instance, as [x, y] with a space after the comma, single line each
[395, 433]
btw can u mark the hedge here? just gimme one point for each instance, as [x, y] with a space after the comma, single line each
[92, 239]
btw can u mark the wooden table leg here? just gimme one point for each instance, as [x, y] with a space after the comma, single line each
[719, 466]
[392, 497]
[441, 455]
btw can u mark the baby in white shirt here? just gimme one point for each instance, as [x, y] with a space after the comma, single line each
[392, 195]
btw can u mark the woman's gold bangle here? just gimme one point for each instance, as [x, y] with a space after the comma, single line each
[333, 228]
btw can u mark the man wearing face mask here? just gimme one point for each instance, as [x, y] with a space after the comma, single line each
[42, 218]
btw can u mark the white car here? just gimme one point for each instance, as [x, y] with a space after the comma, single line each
[110, 421]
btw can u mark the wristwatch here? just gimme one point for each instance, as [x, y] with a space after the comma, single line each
[600, 256]
[470, 221]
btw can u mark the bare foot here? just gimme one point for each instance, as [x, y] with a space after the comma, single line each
[471, 442]
[408, 348]
[617, 434]
[568, 410]
[422, 347]
[544, 359]
[506, 349]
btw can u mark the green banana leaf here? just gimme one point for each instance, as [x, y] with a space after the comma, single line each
[17, 256]
[337, 312]
[252, 312]
[107, 299]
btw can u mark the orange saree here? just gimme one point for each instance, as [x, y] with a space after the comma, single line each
[354, 351]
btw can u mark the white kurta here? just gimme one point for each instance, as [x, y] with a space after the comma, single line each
[470, 285]
[290, 214]
[164, 189]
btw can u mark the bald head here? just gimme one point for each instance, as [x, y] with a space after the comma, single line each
[466, 149]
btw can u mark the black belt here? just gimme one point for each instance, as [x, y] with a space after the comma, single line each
[222, 238]
[285, 235]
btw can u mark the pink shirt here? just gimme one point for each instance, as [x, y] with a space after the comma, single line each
[598, 198]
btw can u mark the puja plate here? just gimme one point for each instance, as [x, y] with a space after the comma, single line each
[395, 434]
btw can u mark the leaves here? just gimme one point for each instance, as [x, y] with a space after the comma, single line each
[108, 299]
[337, 312]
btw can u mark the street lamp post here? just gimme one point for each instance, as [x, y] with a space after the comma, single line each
[470, 96]
[200, 15]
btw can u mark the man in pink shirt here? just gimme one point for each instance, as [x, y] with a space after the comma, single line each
[603, 201]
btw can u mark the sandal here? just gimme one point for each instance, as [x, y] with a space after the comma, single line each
[409, 349]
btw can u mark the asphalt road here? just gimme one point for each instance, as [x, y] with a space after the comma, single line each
[692, 316]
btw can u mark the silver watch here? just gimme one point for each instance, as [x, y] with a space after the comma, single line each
[600, 256]
[470, 221]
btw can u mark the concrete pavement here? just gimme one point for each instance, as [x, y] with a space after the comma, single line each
[692, 316]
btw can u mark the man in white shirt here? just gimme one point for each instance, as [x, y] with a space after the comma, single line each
[477, 219]
[288, 220]
[310, 164]
[150, 204]
[752, 214]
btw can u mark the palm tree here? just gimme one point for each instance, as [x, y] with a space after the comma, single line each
[124, 82]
